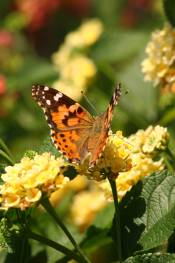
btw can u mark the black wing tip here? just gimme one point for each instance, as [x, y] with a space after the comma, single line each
[34, 86]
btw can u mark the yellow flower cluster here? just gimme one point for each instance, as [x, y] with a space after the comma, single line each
[24, 183]
[75, 69]
[159, 66]
[151, 140]
[145, 147]
[114, 159]
[85, 206]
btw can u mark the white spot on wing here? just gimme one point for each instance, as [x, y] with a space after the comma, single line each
[46, 88]
[57, 96]
[48, 102]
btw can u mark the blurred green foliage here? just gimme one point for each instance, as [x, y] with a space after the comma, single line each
[25, 59]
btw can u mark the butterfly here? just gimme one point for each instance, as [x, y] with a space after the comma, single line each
[74, 131]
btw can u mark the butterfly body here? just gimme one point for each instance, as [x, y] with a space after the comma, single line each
[74, 131]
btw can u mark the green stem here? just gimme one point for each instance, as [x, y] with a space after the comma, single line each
[5, 148]
[169, 152]
[22, 258]
[117, 218]
[53, 244]
[167, 162]
[6, 157]
[48, 207]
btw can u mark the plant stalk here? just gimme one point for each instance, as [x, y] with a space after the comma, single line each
[117, 218]
[54, 245]
[48, 207]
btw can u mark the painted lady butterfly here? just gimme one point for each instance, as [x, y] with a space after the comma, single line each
[73, 130]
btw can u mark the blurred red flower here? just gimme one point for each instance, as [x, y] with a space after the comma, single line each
[37, 11]
[3, 85]
[134, 11]
[6, 38]
[80, 8]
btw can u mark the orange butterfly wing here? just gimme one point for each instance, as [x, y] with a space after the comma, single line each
[69, 122]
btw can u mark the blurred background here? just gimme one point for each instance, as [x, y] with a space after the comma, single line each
[35, 41]
[74, 46]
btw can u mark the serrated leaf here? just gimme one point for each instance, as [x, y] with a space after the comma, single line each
[152, 258]
[169, 9]
[159, 219]
[148, 213]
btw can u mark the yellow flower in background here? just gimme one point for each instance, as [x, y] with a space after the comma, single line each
[85, 206]
[24, 183]
[77, 184]
[151, 140]
[159, 65]
[156, 139]
[76, 70]
[86, 35]
[114, 159]
[61, 57]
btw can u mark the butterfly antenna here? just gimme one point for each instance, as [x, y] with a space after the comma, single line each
[90, 104]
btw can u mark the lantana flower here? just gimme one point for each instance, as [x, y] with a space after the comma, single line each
[159, 66]
[76, 70]
[25, 182]
[146, 146]
[151, 140]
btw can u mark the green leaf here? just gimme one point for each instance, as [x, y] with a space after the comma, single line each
[152, 258]
[169, 9]
[159, 221]
[148, 212]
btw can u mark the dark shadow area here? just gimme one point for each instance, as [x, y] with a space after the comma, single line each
[40, 257]
[132, 206]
